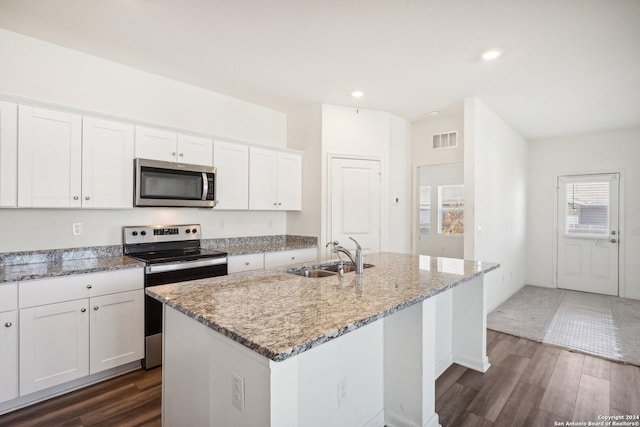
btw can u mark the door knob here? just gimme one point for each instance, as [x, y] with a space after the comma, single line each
[613, 240]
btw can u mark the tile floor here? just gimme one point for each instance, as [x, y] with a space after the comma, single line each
[601, 325]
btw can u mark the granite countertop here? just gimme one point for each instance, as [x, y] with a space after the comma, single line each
[56, 268]
[260, 244]
[279, 315]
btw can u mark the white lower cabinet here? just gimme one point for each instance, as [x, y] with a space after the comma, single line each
[74, 326]
[249, 262]
[270, 260]
[284, 258]
[54, 344]
[8, 355]
[115, 327]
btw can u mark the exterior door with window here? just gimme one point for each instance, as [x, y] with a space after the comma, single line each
[588, 233]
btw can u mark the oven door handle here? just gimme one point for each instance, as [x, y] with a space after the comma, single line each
[185, 265]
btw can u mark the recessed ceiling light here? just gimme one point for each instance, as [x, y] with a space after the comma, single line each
[492, 54]
[357, 94]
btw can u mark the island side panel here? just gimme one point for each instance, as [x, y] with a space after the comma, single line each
[409, 381]
[444, 331]
[341, 382]
[185, 371]
[469, 339]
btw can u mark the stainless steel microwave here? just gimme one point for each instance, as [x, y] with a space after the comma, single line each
[174, 184]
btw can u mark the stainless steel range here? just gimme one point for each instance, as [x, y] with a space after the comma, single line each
[172, 253]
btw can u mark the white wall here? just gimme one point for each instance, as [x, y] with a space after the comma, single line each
[616, 151]
[304, 132]
[422, 151]
[43, 71]
[368, 133]
[495, 168]
[399, 186]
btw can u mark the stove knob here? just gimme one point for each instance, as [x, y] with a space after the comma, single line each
[135, 233]
[187, 231]
[194, 231]
[143, 233]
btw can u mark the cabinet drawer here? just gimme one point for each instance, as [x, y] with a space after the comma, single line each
[8, 296]
[249, 262]
[284, 258]
[48, 291]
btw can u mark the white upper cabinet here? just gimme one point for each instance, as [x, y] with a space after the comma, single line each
[275, 180]
[262, 179]
[195, 150]
[156, 144]
[289, 181]
[168, 146]
[107, 164]
[8, 155]
[49, 158]
[232, 175]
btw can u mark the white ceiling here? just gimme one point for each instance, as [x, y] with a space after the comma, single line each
[569, 66]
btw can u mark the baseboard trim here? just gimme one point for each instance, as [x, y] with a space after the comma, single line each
[480, 366]
[443, 364]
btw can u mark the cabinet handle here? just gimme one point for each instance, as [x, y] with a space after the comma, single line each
[89, 286]
[181, 154]
[75, 197]
[173, 153]
[96, 308]
[293, 258]
[275, 204]
[279, 204]
[82, 310]
[8, 324]
[87, 198]
[246, 263]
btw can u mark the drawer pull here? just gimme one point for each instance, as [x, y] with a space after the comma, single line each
[96, 308]
[82, 310]
[246, 263]
[8, 324]
[89, 286]
[293, 258]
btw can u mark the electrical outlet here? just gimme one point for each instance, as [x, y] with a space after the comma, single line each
[237, 391]
[76, 228]
[342, 391]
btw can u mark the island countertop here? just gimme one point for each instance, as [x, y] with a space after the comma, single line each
[279, 315]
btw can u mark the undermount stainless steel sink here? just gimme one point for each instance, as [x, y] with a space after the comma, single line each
[313, 273]
[324, 270]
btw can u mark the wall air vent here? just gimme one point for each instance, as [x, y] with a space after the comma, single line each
[445, 140]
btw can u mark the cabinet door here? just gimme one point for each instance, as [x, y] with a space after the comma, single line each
[284, 258]
[54, 344]
[232, 175]
[8, 355]
[8, 155]
[249, 262]
[116, 330]
[107, 164]
[262, 179]
[195, 150]
[156, 144]
[49, 158]
[289, 181]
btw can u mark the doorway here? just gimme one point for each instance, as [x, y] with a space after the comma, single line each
[440, 230]
[588, 233]
[355, 203]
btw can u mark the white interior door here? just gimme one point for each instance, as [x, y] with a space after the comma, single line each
[355, 203]
[588, 233]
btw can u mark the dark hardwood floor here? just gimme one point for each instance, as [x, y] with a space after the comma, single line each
[129, 400]
[534, 384]
[528, 384]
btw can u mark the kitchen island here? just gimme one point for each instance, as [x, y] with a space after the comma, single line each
[274, 349]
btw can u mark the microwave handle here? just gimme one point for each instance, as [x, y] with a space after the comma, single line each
[205, 186]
